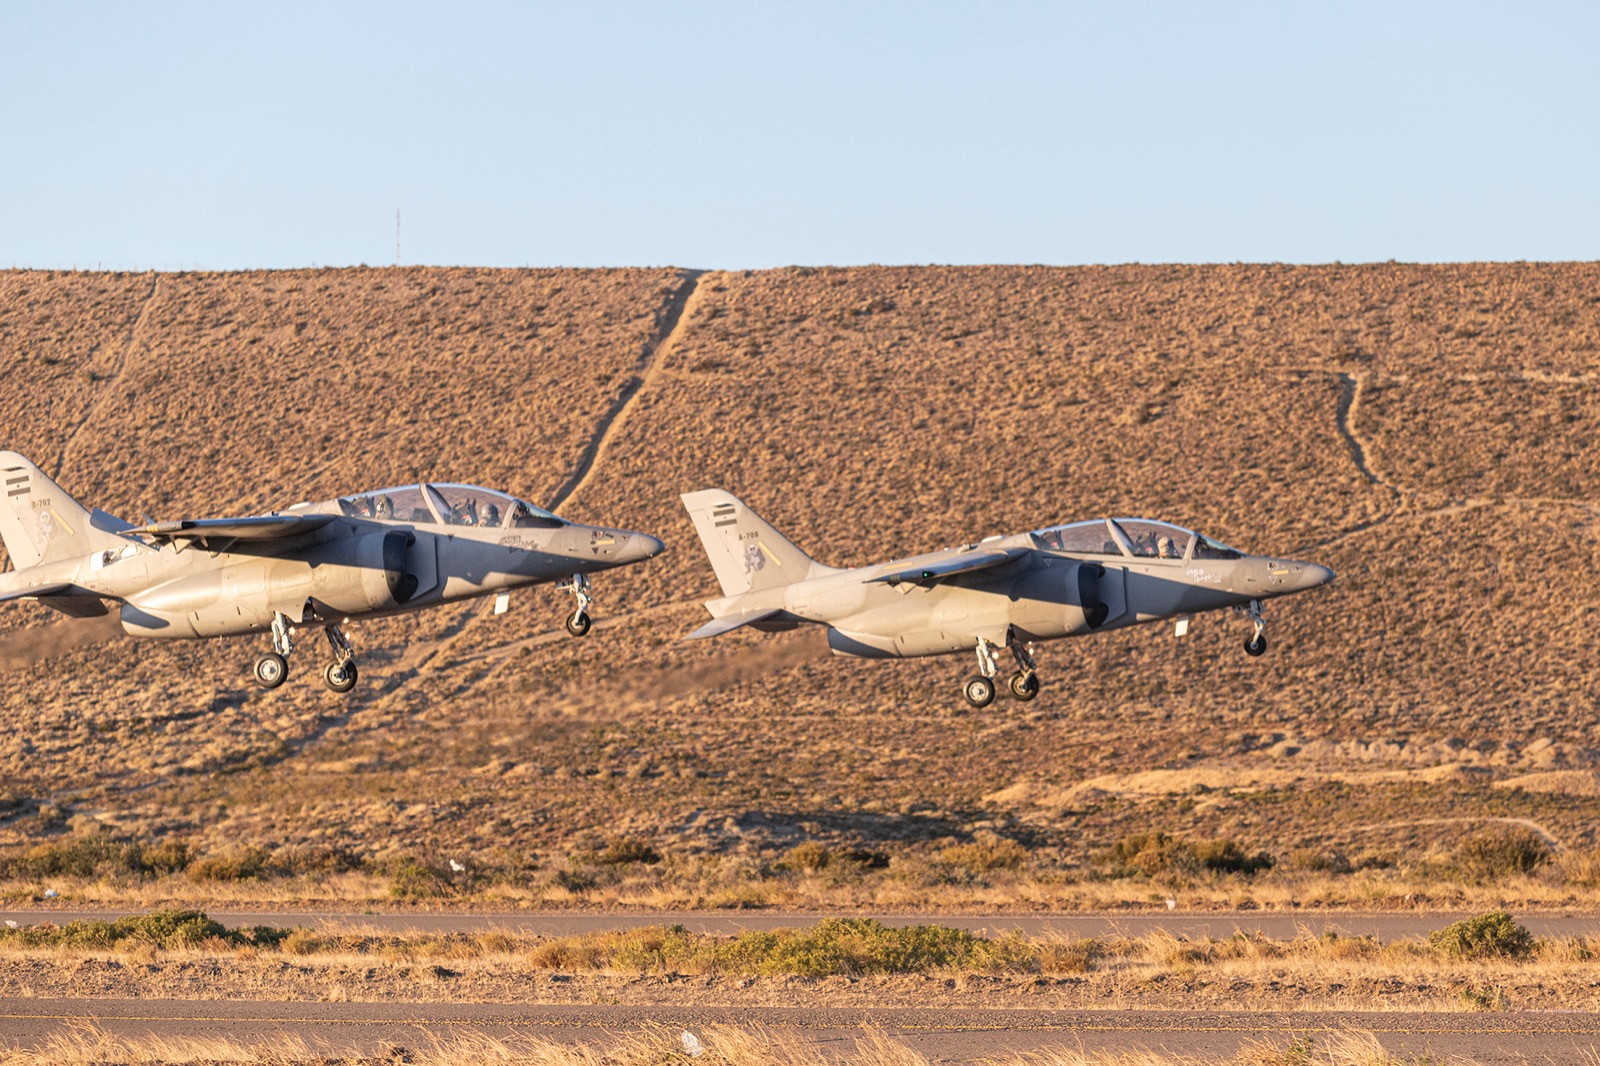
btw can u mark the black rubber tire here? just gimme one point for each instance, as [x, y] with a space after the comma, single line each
[978, 690]
[271, 670]
[340, 678]
[1024, 687]
[1256, 645]
[578, 623]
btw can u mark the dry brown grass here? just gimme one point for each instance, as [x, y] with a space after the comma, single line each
[868, 412]
[719, 1046]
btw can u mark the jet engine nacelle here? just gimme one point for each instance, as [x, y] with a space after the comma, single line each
[337, 578]
[360, 574]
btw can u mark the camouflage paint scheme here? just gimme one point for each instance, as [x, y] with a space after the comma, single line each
[369, 555]
[1004, 592]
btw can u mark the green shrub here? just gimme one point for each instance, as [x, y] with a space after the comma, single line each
[165, 929]
[415, 880]
[1497, 853]
[1488, 936]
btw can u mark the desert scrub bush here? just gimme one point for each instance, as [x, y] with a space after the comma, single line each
[985, 853]
[165, 929]
[834, 946]
[87, 856]
[1488, 936]
[1497, 853]
[1156, 855]
[1318, 861]
[1580, 869]
[411, 879]
[808, 857]
[240, 864]
[623, 850]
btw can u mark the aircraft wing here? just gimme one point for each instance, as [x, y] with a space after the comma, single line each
[259, 527]
[718, 626]
[965, 563]
[37, 590]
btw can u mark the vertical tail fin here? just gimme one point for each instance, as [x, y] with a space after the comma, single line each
[745, 551]
[38, 522]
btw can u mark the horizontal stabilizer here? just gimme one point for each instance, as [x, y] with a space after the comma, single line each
[944, 569]
[718, 626]
[261, 527]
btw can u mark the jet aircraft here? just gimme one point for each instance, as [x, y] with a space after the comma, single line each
[370, 555]
[1007, 592]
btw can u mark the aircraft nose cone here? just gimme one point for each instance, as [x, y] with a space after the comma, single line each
[641, 546]
[1312, 575]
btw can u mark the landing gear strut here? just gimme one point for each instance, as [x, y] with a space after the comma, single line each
[578, 622]
[339, 675]
[272, 669]
[1024, 683]
[979, 689]
[1257, 644]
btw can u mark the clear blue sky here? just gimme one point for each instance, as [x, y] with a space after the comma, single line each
[746, 134]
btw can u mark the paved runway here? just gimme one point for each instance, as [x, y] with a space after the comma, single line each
[944, 1034]
[1384, 926]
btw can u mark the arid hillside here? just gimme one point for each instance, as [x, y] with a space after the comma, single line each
[1425, 430]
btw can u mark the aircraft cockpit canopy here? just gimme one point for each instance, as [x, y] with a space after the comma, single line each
[449, 504]
[1140, 538]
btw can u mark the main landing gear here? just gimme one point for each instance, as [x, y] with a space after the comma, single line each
[578, 622]
[1257, 642]
[272, 669]
[1024, 684]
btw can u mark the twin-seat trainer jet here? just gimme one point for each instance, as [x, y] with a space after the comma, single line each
[1001, 593]
[370, 555]
[403, 549]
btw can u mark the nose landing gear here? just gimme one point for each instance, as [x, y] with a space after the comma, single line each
[578, 622]
[1257, 642]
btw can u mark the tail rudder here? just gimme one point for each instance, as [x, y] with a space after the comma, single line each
[38, 522]
[746, 552]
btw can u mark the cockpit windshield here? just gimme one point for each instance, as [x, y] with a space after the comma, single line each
[1142, 538]
[449, 503]
[405, 504]
[1206, 548]
[468, 505]
[1086, 538]
[1149, 539]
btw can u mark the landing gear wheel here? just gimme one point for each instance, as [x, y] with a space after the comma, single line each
[578, 623]
[1024, 686]
[341, 677]
[1256, 645]
[978, 690]
[271, 670]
